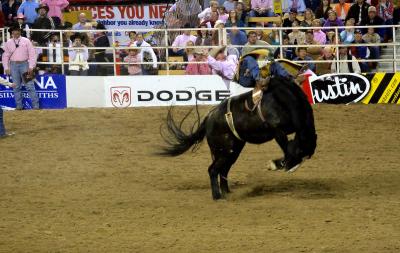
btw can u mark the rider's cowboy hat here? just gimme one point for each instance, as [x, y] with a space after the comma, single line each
[258, 52]
[215, 51]
[42, 6]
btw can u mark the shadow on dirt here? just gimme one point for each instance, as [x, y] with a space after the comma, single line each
[300, 188]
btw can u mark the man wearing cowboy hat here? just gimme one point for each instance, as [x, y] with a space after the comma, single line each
[42, 22]
[28, 8]
[222, 65]
[78, 56]
[19, 60]
[250, 75]
[20, 18]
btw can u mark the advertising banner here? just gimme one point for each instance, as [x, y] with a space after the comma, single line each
[129, 17]
[135, 91]
[50, 89]
[351, 88]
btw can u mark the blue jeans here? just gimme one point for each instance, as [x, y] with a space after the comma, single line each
[2, 128]
[17, 69]
[269, 13]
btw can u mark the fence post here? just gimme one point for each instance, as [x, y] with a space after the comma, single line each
[394, 50]
[62, 52]
[224, 36]
[166, 50]
[280, 43]
[114, 52]
[337, 50]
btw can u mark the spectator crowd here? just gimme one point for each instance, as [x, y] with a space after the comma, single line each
[78, 49]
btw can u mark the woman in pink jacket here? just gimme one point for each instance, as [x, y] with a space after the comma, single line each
[55, 9]
[198, 68]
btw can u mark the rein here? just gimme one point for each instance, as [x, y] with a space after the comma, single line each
[259, 109]
[229, 116]
[229, 120]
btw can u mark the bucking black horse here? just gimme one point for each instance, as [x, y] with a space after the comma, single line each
[283, 110]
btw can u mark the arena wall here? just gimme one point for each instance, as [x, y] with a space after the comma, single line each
[58, 91]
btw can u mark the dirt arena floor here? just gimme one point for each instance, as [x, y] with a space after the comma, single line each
[86, 181]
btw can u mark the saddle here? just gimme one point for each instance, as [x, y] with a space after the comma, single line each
[229, 115]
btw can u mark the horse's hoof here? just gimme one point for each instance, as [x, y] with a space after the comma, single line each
[217, 196]
[277, 164]
[294, 168]
[272, 166]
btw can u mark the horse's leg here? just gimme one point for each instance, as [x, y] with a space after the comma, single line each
[213, 173]
[282, 140]
[231, 159]
[294, 161]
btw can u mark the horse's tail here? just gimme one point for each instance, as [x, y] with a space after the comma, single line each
[178, 142]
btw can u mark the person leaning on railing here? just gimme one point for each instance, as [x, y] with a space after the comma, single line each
[351, 66]
[371, 37]
[360, 52]
[133, 60]
[288, 52]
[302, 56]
[314, 52]
[78, 56]
[194, 68]
[147, 55]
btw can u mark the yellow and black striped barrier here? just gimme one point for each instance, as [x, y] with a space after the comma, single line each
[385, 88]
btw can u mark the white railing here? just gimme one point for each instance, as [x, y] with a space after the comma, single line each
[164, 39]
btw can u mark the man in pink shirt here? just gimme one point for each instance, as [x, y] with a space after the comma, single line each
[261, 8]
[19, 59]
[180, 41]
[222, 65]
[55, 9]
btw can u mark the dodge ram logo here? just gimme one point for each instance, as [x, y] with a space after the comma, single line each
[121, 96]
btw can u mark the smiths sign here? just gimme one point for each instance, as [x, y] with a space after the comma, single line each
[50, 89]
[339, 88]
